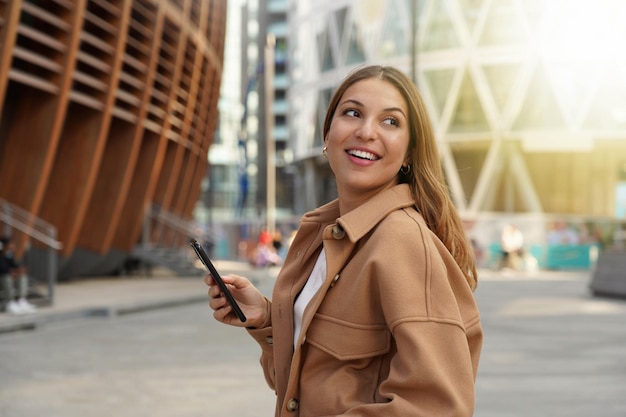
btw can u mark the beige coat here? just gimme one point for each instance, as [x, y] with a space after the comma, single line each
[394, 330]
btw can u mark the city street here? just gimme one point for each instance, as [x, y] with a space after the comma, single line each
[550, 350]
[172, 362]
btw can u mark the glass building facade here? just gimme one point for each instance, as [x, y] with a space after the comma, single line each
[527, 98]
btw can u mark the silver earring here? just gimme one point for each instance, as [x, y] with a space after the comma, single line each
[405, 169]
[325, 152]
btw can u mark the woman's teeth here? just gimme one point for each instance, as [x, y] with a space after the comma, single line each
[363, 155]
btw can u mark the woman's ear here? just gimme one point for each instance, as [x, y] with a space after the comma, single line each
[407, 155]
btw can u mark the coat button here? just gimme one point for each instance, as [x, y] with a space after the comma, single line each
[292, 405]
[269, 340]
[338, 232]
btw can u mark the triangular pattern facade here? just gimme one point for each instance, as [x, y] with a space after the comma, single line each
[489, 70]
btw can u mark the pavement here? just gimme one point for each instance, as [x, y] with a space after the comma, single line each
[111, 296]
[551, 347]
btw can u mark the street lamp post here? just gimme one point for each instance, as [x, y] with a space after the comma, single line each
[270, 145]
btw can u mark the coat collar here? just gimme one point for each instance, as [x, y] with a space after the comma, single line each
[358, 222]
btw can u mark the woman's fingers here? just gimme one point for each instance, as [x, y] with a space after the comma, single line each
[219, 303]
[208, 280]
[214, 291]
[250, 300]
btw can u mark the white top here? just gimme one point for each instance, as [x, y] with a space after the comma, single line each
[313, 284]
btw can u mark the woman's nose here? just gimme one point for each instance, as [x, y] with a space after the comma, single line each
[367, 129]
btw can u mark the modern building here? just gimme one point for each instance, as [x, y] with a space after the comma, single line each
[251, 179]
[527, 98]
[265, 102]
[107, 112]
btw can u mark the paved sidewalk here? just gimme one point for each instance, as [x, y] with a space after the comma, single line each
[110, 296]
[551, 348]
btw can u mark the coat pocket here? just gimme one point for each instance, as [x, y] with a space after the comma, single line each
[348, 341]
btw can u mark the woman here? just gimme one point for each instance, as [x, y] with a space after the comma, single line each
[372, 313]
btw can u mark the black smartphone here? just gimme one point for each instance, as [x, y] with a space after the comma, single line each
[216, 276]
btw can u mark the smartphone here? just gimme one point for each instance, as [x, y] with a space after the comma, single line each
[216, 276]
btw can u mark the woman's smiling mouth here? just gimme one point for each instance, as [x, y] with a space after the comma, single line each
[363, 154]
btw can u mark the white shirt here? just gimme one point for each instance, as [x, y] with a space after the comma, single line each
[313, 284]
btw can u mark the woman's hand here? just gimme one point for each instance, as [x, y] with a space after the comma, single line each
[251, 301]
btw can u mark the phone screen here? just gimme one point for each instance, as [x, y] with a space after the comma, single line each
[216, 276]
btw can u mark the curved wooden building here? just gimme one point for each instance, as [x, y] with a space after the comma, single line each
[106, 107]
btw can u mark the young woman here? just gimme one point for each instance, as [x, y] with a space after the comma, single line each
[372, 313]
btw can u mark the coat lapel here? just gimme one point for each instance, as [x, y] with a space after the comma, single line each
[341, 239]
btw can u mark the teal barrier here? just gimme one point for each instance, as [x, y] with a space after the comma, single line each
[581, 256]
[570, 256]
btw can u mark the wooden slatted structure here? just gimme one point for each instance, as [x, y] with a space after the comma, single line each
[107, 107]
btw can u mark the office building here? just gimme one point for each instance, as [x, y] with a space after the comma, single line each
[107, 112]
[527, 98]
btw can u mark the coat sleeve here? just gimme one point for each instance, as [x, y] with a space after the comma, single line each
[432, 316]
[265, 338]
[431, 372]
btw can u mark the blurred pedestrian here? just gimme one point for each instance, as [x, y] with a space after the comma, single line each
[265, 253]
[512, 243]
[14, 280]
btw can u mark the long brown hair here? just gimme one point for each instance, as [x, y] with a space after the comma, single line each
[425, 177]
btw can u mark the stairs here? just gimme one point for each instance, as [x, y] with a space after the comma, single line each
[177, 260]
[164, 242]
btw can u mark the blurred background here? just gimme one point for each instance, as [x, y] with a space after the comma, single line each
[129, 126]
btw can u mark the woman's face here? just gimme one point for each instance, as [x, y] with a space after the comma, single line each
[368, 139]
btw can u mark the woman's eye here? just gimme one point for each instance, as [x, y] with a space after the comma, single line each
[351, 113]
[392, 121]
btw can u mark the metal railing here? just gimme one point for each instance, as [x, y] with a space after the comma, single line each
[165, 240]
[166, 229]
[41, 259]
